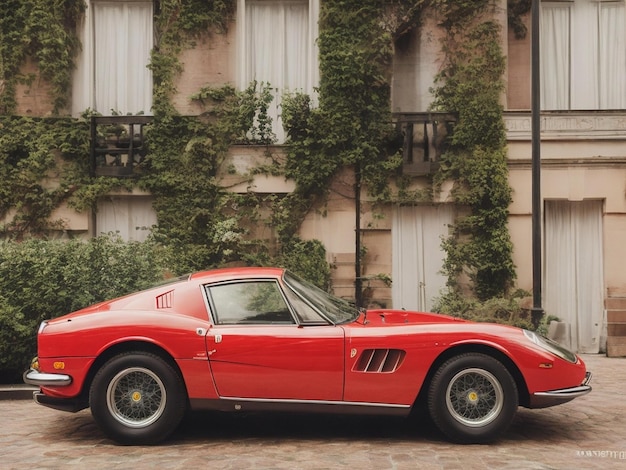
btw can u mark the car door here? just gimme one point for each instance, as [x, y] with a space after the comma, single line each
[258, 350]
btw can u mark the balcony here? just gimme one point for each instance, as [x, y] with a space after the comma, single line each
[117, 144]
[425, 139]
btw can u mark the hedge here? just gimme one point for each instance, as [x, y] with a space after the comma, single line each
[45, 279]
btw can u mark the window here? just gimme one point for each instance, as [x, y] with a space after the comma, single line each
[257, 302]
[112, 73]
[583, 55]
[131, 217]
[277, 47]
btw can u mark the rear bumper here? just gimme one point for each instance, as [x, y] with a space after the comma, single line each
[63, 404]
[40, 379]
[556, 397]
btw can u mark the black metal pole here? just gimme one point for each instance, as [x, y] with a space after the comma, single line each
[537, 311]
[358, 282]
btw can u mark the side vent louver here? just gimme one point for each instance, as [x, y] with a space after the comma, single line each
[379, 360]
[165, 300]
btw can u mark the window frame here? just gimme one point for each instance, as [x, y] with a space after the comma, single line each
[593, 90]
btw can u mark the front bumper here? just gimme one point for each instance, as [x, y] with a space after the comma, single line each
[556, 397]
[41, 379]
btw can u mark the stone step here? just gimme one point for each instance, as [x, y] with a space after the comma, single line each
[616, 316]
[615, 303]
[616, 346]
[616, 329]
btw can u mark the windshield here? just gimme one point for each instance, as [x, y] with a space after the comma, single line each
[333, 308]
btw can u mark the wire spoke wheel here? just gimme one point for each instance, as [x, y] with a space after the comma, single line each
[474, 397]
[136, 397]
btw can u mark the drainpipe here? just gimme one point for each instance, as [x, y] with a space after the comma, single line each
[537, 310]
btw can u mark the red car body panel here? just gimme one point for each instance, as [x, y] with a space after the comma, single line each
[278, 362]
[383, 357]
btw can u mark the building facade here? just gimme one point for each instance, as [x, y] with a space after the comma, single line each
[583, 146]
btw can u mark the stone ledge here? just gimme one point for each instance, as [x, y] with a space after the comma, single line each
[17, 392]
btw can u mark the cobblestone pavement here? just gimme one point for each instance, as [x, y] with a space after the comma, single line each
[589, 432]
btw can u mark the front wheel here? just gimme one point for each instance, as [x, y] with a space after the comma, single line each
[472, 398]
[137, 398]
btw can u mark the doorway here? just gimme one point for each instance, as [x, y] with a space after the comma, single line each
[573, 272]
[417, 256]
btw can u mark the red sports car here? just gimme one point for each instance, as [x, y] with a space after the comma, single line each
[263, 339]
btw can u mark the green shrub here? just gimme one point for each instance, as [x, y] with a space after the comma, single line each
[45, 279]
[17, 341]
[307, 258]
[504, 310]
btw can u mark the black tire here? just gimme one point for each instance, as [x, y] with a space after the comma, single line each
[137, 398]
[472, 398]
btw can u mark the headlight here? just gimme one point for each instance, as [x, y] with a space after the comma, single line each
[551, 346]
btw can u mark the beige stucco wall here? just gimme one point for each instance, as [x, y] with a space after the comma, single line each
[33, 99]
[518, 70]
[210, 62]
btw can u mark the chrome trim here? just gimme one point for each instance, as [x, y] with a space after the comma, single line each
[41, 379]
[557, 397]
[314, 402]
[569, 393]
[566, 393]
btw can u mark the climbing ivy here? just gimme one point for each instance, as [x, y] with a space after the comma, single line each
[471, 85]
[29, 151]
[206, 224]
[43, 31]
[517, 9]
[351, 126]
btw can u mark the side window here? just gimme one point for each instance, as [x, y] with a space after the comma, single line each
[258, 302]
[305, 313]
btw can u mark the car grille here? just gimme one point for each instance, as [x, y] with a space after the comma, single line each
[379, 360]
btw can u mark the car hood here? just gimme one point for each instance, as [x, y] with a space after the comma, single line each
[394, 317]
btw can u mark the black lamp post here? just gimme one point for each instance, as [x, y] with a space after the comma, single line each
[537, 311]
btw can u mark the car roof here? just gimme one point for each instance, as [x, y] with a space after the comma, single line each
[237, 272]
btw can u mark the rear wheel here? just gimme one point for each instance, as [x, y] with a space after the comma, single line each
[137, 398]
[472, 398]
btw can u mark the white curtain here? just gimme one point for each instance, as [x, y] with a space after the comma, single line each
[277, 48]
[112, 72]
[612, 55]
[554, 62]
[417, 256]
[583, 55]
[573, 273]
[131, 217]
